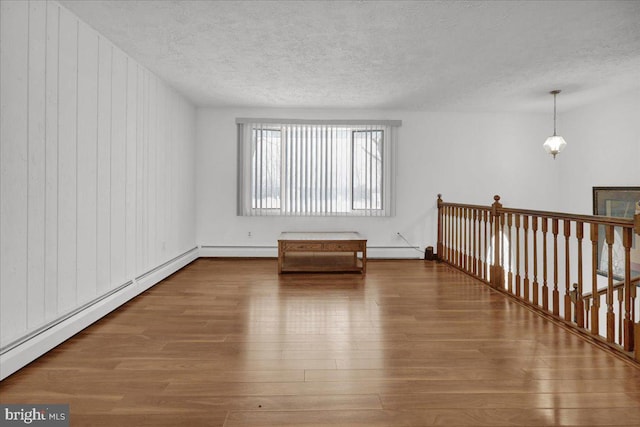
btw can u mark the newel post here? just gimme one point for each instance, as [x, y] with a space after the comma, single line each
[497, 272]
[439, 246]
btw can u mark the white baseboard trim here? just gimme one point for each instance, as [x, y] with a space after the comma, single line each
[55, 333]
[239, 251]
[386, 252]
[395, 252]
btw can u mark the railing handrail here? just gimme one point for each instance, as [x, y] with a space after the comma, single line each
[591, 219]
[618, 285]
[596, 219]
[463, 205]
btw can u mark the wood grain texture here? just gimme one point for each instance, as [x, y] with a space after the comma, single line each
[229, 342]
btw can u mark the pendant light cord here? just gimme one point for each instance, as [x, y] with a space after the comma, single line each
[554, 114]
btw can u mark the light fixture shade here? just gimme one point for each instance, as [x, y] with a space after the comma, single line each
[554, 144]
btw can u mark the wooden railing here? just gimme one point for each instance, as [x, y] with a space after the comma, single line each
[539, 259]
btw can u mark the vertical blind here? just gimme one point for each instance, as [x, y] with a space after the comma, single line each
[316, 168]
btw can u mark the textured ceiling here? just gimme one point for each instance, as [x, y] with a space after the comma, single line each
[413, 55]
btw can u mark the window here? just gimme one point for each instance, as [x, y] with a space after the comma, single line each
[366, 169]
[315, 168]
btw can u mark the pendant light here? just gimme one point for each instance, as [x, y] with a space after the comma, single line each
[555, 143]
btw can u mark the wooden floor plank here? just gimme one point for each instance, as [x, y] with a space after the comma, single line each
[508, 400]
[435, 417]
[412, 343]
[177, 402]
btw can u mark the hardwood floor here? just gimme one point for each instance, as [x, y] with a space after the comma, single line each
[413, 343]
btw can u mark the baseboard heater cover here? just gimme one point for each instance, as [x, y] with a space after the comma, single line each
[29, 347]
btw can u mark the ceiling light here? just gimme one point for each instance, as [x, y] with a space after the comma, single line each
[555, 143]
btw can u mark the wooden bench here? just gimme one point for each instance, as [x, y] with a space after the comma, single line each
[322, 252]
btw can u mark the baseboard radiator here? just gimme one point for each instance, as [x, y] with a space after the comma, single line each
[29, 347]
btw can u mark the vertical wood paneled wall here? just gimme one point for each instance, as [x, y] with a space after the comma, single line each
[552, 262]
[96, 162]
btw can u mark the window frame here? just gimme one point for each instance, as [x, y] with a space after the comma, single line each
[288, 205]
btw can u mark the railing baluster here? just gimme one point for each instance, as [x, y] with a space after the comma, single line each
[556, 294]
[525, 230]
[445, 236]
[442, 243]
[442, 232]
[467, 261]
[461, 239]
[483, 248]
[580, 313]
[567, 272]
[534, 230]
[510, 275]
[440, 226]
[545, 286]
[630, 325]
[609, 238]
[450, 231]
[633, 305]
[474, 260]
[456, 242]
[455, 235]
[517, 255]
[480, 254]
[620, 293]
[587, 308]
[595, 307]
[627, 242]
[449, 234]
[452, 228]
[485, 262]
[470, 242]
[489, 250]
[503, 277]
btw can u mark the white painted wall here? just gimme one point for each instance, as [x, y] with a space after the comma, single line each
[603, 149]
[466, 157]
[97, 168]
